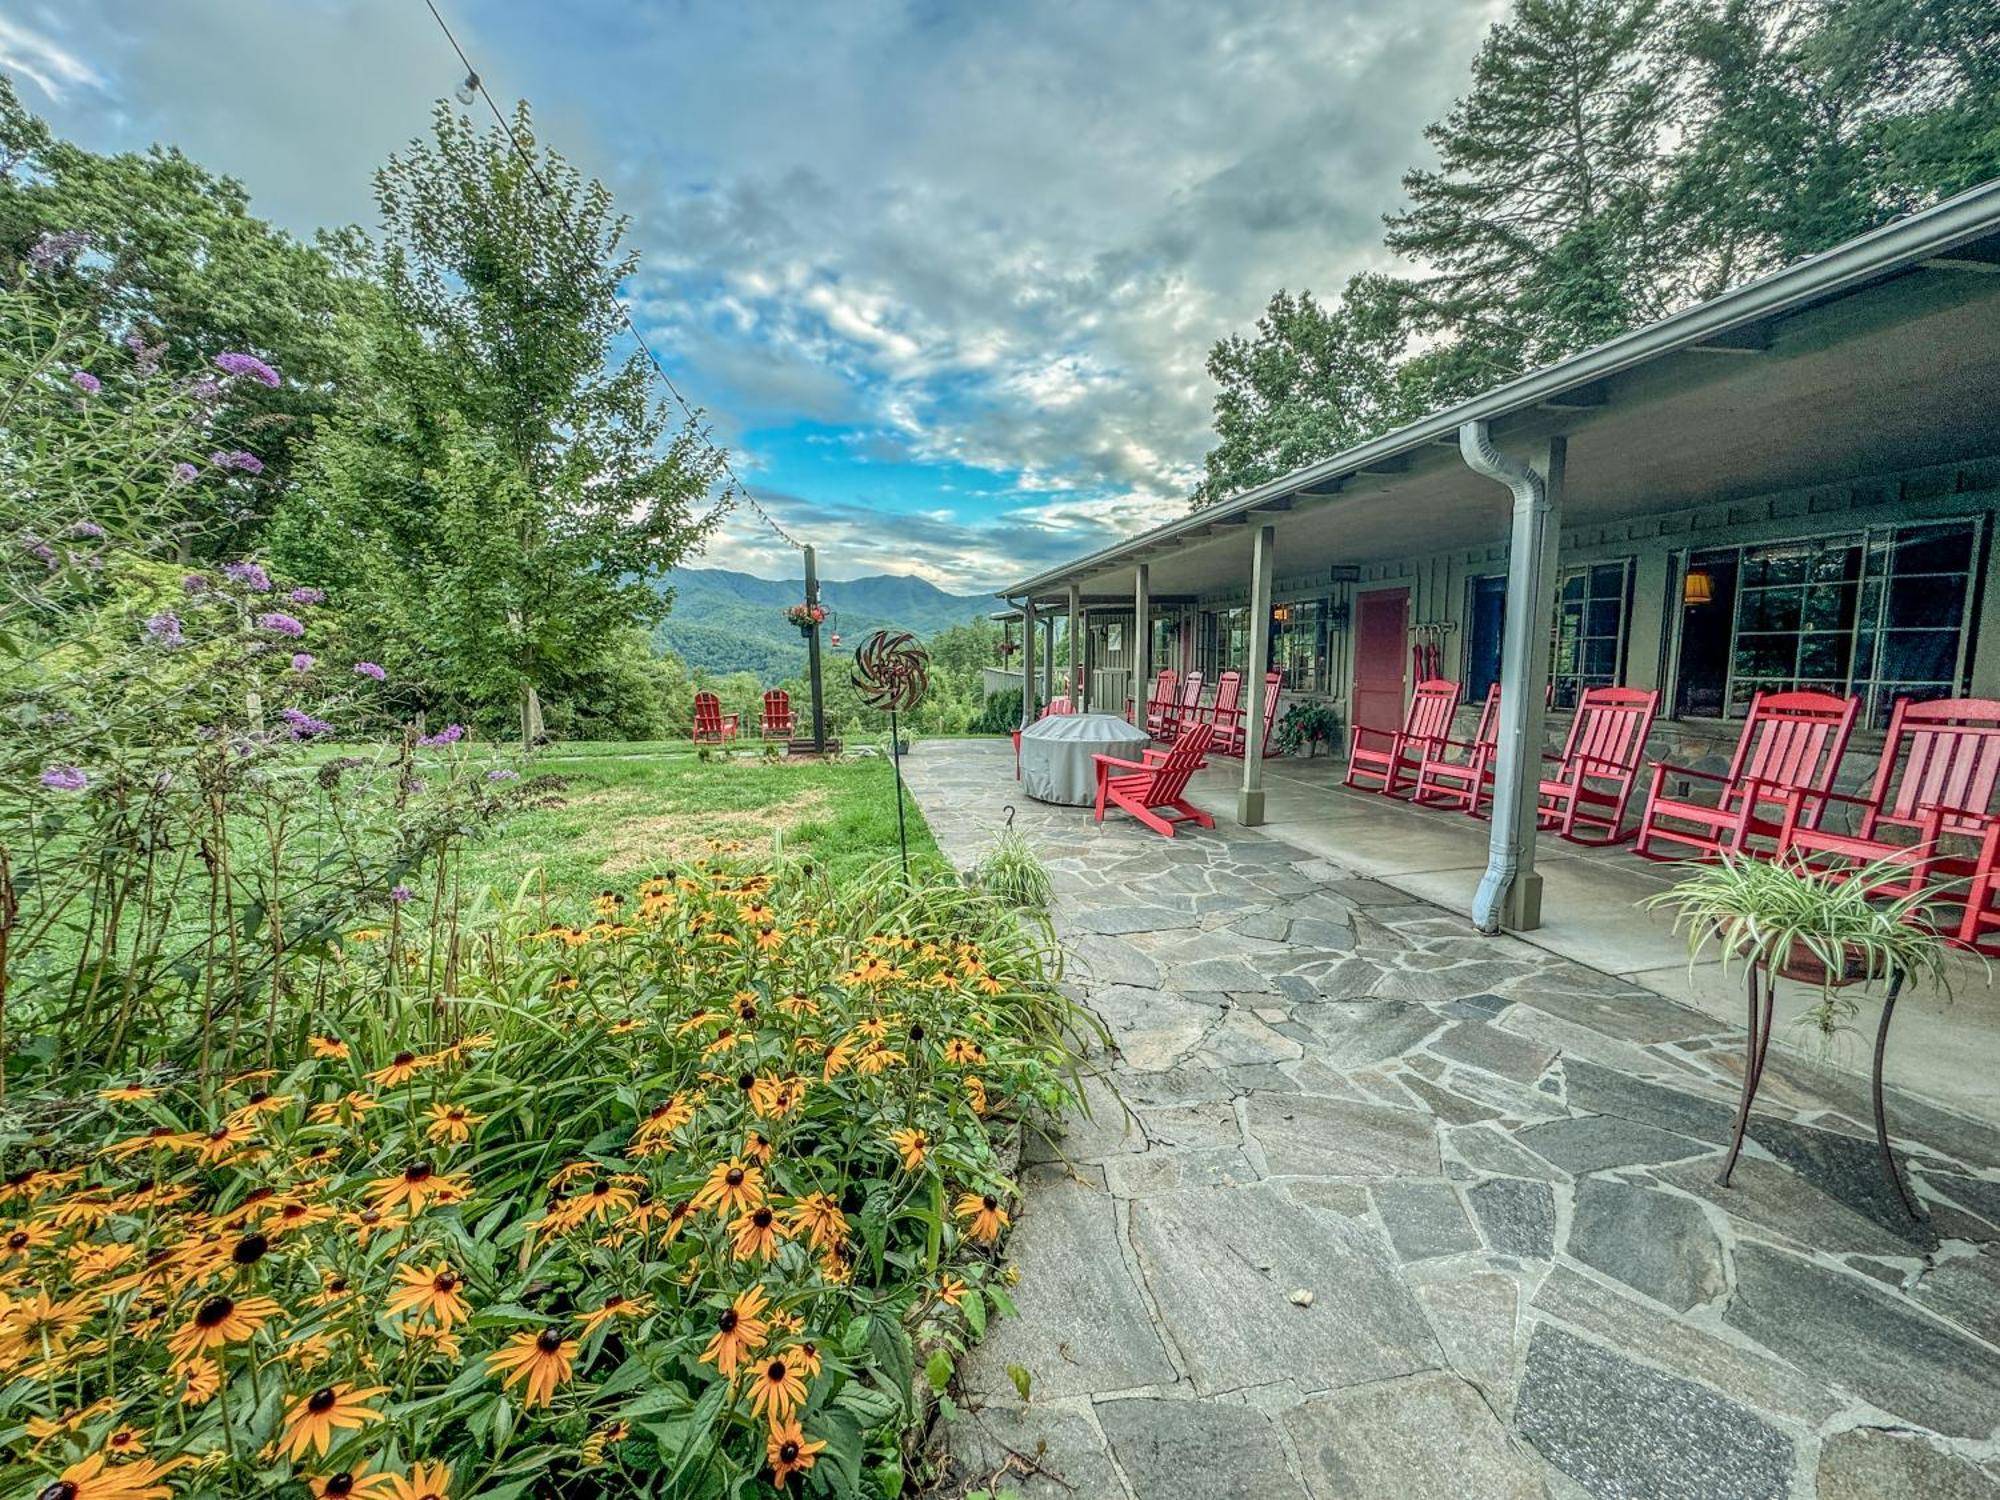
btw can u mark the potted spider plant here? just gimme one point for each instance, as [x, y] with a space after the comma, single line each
[1831, 929]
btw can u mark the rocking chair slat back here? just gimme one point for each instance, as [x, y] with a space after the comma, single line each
[1943, 754]
[1228, 688]
[1190, 694]
[1431, 707]
[1610, 728]
[1171, 779]
[1487, 735]
[1794, 740]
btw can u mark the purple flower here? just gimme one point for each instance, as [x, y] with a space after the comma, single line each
[249, 574]
[145, 356]
[195, 583]
[207, 392]
[402, 894]
[303, 726]
[279, 624]
[307, 596]
[64, 779]
[302, 662]
[247, 364]
[38, 549]
[88, 529]
[249, 463]
[55, 246]
[503, 774]
[451, 734]
[184, 473]
[165, 629]
[86, 382]
[371, 670]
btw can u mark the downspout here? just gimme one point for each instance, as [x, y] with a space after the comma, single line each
[1524, 590]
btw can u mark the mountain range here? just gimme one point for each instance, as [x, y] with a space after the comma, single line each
[725, 621]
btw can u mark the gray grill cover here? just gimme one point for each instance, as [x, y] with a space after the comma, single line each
[1056, 752]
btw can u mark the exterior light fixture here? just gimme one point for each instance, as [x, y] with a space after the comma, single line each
[469, 89]
[1697, 588]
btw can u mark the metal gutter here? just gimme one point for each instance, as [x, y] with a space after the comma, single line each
[1971, 215]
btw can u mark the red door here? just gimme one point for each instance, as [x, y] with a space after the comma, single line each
[1381, 657]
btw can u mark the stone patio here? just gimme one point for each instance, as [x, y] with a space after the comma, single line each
[1368, 1205]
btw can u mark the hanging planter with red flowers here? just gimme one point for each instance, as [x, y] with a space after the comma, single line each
[806, 616]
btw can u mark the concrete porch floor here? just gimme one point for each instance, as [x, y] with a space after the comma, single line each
[1942, 1044]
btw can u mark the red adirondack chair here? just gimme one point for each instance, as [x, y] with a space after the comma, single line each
[1425, 726]
[1463, 779]
[1598, 764]
[1934, 783]
[1160, 705]
[1232, 726]
[711, 725]
[1790, 741]
[1055, 707]
[1153, 790]
[777, 723]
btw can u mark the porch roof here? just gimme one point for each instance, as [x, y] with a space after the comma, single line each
[1877, 355]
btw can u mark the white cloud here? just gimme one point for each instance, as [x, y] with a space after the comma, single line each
[50, 67]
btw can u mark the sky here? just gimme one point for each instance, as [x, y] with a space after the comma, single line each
[943, 275]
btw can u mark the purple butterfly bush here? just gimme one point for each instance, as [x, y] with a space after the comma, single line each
[40, 550]
[145, 356]
[307, 596]
[302, 662]
[185, 473]
[371, 671]
[86, 382]
[195, 583]
[451, 734]
[164, 629]
[64, 779]
[501, 773]
[247, 463]
[302, 725]
[247, 366]
[279, 624]
[249, 574]
[402, 895]
[88, 529]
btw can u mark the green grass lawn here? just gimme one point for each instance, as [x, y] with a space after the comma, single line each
[622, 812]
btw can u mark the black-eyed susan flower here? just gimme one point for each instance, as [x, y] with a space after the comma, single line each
[963, 1053]
[200, 1380]
[755, 1235]
[127, 1093]
[400, 1069]
[616, 1305]
[350, 1484]
[951, 1291]
[417, 1184]
[224, 1141]
[425, 1481]
[451, 1124]
[124, 1442]
[329, 1048]
[818, 1217]
[733, 1185]
[41, 1429]
[912, 1145]
[542, 1360]
[220, 1321]
[19, 1241]
[159, 1138]
[96, 1478]
[776, 1387]
[433, 1292]
[985, 1215]
[739, 1331]
[789, 1451]
[347, 1109]
[595, 1446]
[257, 1106]
[312, 1420]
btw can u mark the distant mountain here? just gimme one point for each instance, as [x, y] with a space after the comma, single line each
[725, 621]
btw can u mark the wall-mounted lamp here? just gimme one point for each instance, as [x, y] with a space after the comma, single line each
[1697, 588]
[1281, 613]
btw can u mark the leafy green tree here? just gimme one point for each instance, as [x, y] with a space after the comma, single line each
[159, 251]
[1539, 225]
[498, 506]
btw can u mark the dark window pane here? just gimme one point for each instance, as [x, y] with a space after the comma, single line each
[1787, 565]
[1572, 586]
[1766, 656]
[1926, 601]
[1919, 655]
[1771, 609]
[1836, 564]
[1934, 549]
[1829, 607]
[1607, 578]
[1602, 619]
[1864, 656]
[1823, 656]
[1704, 657]
[1600, 660]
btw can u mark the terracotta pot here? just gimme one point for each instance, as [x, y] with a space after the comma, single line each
[1805, 966]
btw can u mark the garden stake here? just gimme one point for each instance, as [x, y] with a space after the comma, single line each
[891, 671]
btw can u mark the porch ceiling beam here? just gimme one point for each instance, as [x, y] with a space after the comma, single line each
[1584, 398]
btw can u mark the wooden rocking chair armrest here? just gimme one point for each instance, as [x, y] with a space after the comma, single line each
[1470, 747]
[1610, 767]
[1661, 767]
[1105, 762]
[1391, 735]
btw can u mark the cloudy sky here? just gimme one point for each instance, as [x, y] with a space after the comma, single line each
[943, 272]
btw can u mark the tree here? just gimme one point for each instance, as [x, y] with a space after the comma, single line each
[499, 504]
[1539, 225]
[156, 249]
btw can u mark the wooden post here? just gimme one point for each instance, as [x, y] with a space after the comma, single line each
[1250, 801]
[812, 656]
[1027, 663]
[1142, 642]
[1073, 631]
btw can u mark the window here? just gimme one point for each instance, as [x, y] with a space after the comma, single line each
[1225, 640]
[1298, 644]
[1881, 613]
[1587, 635]
[1588, 648]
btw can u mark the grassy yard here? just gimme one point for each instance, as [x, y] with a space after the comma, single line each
[622, 811]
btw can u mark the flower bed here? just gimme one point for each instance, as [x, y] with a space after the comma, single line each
[660, 1204]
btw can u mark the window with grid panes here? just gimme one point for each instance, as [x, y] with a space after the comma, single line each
[1592, 604]
[1298, 644]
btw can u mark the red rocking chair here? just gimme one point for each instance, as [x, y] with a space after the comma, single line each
[777, 723]
[1790, 741]
[1425, 727]
[1232, 725]
[1935, 781]
[1228, 691]
[1160, 705]
[1187, 711]
[1598, 764]
[1153, 790]
[1982, 896]
[711, 725]
[1465, 781]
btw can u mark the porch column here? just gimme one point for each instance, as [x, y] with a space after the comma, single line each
[1250, 801]
[1142, 641]
[1027, 663]
[1076, 682]
[1510, 892]
[1049, 657]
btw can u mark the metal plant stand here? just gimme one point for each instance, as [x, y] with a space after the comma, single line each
[1761, 991]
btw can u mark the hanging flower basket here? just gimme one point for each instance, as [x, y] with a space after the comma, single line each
[806, 616]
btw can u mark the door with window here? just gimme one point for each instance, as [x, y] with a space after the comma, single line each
[1381, 657]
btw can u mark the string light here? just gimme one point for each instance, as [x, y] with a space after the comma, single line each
[475, 87]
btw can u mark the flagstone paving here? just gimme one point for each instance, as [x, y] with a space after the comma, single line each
[1369, 1205]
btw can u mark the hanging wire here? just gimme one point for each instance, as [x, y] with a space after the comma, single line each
[474, 84]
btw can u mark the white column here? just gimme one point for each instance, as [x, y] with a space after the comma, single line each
[1142, 642]
[1077, 684]
[1250, 801]
[1027, 663]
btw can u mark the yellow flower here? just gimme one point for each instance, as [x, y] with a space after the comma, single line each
[731, 1186]
[348, 1485]
[311, 1421]
[777, 1389]
[543, 1360]
[328, 1047]
[91, 1479]
[987, 1217]
[417, 1184]
[951, 1291]
[789, 1452]
[912, 1144]
[615, 1306]
[201, 1380]
[400, 1069]
[126, 1093]
[220, 1321]
[434, 1292]
[818, 1217]
[424, 1482]
[21, 1240]
[754, 1236]
[739, 1331]
[452, 1124]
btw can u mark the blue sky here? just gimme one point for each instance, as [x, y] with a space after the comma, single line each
[944, 275]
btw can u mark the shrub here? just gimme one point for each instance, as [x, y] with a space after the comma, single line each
[999, 714]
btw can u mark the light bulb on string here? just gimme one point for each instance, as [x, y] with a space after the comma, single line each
[469, 89]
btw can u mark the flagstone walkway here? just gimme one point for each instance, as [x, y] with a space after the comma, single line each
[1371, 1206]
